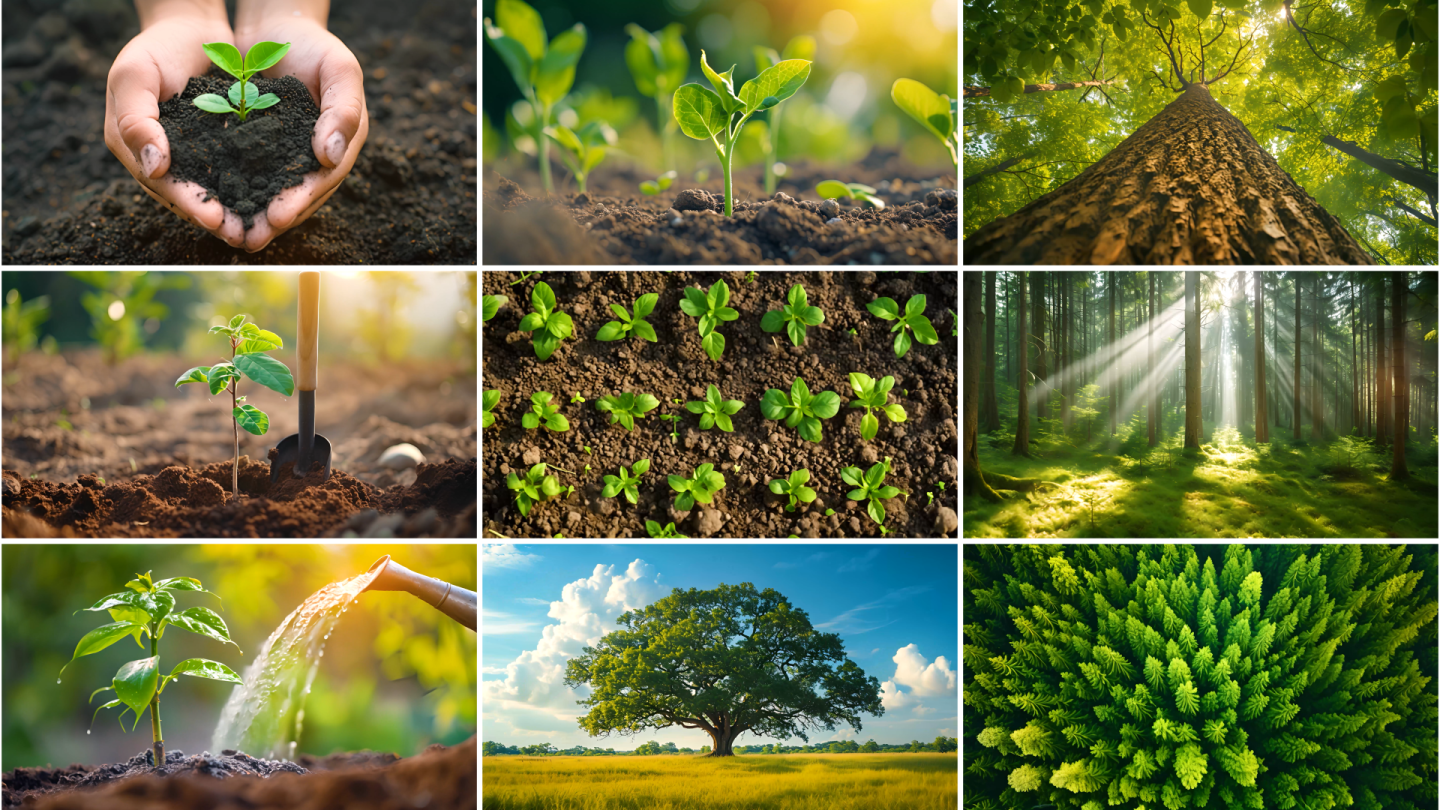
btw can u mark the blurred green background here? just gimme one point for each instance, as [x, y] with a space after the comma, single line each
[842, 112]
[397, 675]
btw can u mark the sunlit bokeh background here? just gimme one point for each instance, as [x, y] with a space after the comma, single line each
[397, 675]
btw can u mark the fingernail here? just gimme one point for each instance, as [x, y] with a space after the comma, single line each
[150, 159]
[335, 148]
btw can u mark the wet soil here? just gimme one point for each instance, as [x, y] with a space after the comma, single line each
[440, 778]
[244, 164]
[410, 198]
[923, 449]
[614, 224]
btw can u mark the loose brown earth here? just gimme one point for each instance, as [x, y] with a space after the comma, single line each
[440, 779]
[924, 448]
[614, 224]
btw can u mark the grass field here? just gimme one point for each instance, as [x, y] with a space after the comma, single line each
[756, 782]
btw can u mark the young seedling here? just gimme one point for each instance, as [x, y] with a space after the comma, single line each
[793, 317]
[547, 325]
[659, 62]
[666, 531]
[913, 320]
[145, 608]
[627, 482]
[933, 111]
[715, 410]
[488, 401]
[248, 343]
[801, 47]
[582, 150]
[586, 448]
[800, 409]
[853, 332]
[535, 487]
[674, 426]
[834, 190]
[710, 308]
[543, 73]
[751, 276]
[829, 512]
[243, 93]
[659, 184]
[954, 323]
[543, 413]
[794, 487]
[526, 275]
[870, 487]
[871, 394]
[627, 407]
[628, 327]
[490, 305]
[703, 114]
[701, 487]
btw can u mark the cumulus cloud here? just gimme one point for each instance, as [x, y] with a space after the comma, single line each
[892, 698]
[924, 678]
[505, 555]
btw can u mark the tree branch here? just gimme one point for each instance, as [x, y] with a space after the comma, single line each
[978, 176]
[1169, 50]
[1305, 32]
[1244, 46]
[1412, 212]
[979, 92]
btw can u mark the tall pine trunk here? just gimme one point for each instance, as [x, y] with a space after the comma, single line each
[1038, 283]
[1295, 383]
[1192, 360]
[1110, 354]
[1067, 382]
[1399, 288]
[974, 481]
[1262, 413]
[1354, 369]
[1153, 412]
[1317, 372]
[1022, 382]
[1191, 186]
[1382, 371]
[989, 411]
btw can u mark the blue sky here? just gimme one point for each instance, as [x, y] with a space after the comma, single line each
[894, 606]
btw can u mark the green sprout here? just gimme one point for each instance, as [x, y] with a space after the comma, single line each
[586, 448]
[710, 308]
[834, 190]
[22, 322]
[243, 93]
[794, 487]
[701, 487]
[574, 398]
[627, 407]
[674, 426]
[914, 319]
[658, 62]
[793, 317]
[659, 184]
[871, 394]
[582, 150]
[801, 47]
[751, 276]
[628, 327]
[666, 531]
[829, 512]
[145, 608]
[933, 111]
[627, 482]
[535, 487]
[547, 325]
[490, 305]
[525, 275]
[954, 323]
[870, 487]
[703, 114]
[543, 73]
[543, 413]
[715, 410]
[853, 332]
[488, 401]
[800, 408]
[248, 343]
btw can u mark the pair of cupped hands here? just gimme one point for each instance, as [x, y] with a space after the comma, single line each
[168, 51]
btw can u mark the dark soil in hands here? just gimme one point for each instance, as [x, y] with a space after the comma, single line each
[440, 778]
[243, 164]
[614, 224]
[923, 449]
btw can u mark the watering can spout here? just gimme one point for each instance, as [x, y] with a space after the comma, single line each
[455, 602]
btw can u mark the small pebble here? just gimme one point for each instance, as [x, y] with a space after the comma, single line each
[781, 196]
[833, 221]
[830, 208]
[401, 456]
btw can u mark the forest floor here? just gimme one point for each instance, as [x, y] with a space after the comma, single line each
[1232, 488]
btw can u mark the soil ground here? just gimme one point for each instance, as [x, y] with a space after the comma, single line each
[924, 449]
[614, 224]
[440, 778]
[409, 200]
[116, 451]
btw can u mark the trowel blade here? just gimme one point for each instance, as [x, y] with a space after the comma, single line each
[288, 450]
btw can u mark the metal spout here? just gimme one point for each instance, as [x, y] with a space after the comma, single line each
[455, 602]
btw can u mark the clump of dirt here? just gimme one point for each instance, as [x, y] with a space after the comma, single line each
[440, 778]
[243, 164]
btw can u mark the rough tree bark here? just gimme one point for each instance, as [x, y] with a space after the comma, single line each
[1295, 382]
[1153, 416]
[1382, 371]
[1022, 383]
[1399, 288]
[989, 410]
[974, 324]
[1262, 415]
[1192, 360]
[1191, 186]
[972, 91]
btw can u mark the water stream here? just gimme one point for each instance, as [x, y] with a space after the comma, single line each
[264, 717]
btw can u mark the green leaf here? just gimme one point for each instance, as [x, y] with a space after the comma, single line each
[102, 637]
[203, 621]
[796, 331]
[924, 331]
[1200, 8]
[714, 345]
[227, 58]
[724, 422]
[902, 343]
[263, 55]
[565, 137]
[645, 304]
[530, 421]
[645, 331]
[876, 511]
[135, 683]
[774, 404]
[810, 429]
[778, 486]
[772, 321]
[267, 371]
[700, 114]
[182, 584]
[1400, 119]
[869, 426]
[923, 104]
[1404, 38]
[731, 406]
[211, 103]
[259, 340]
[895, 411]
[884, 308]
[1387, 27]
[523, 24]
[542, 299]
[1389, 88]
[252, 419]
[531, 322]
[560, 325]
[724, 86]
[780, 82]
[202, 668]
[199, 374]
[825, 404]
[832, 189]
[513, 54]
[887, 492]
[649, 187]
[852, 476]
[642, 55]
[612, 330]
[220, 377]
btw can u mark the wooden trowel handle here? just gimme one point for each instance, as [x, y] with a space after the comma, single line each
[309, 328]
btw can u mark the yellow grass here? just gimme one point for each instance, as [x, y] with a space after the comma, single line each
[754, 782]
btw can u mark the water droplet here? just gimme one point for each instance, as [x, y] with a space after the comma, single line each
[87, 732]
[57, 680]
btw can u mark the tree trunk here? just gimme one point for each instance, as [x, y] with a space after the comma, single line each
[974, 481]
[722, 742]
[1412, 212]
[1192, 360]
[1153, 413]
[972, 91]
[1110, 354]
[996, 169]
[1022, 383]
[1317, 372]
[1354, 369]
[1191, 186]
[1382, 371]
[1399, 288]
[1262, 414]
[1295, 383]
[1037, 330]
[1067, 386]
[989, 410]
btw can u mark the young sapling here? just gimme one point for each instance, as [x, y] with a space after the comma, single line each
[700, 487]
[243, 93]
[954, 323]
[628, 327]
[582, 150]
[666, 531]
[627, 407]
[627, 482]
[793, 317]
[834, 190]
[751, 276]
[543, 413]
[145, 608]
[710, 307]
[535, 487]
[659, 184]
[547, 325]
[800, 47]
[248, 344]
[658, 62]
[912, 320]
[674, 426]
[490, 305]
[703, 114]
[795, 488]
[933, 111]
[871, 394]
[870, 487]
[715, 410]
[488, 401]
[800, 409]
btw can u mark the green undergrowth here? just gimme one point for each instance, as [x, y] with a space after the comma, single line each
[1120, 487]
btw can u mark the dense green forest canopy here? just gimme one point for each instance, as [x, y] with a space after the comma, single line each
[1308, 78]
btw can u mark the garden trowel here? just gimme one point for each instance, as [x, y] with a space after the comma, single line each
[307, 447]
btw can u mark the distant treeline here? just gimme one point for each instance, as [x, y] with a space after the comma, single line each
[940, 745]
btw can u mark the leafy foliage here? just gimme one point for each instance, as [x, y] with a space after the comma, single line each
[628, 327]
[793, 317]
[533, 488]
[627, 407]
[872, 395]
[547, 325]
[710, 307]
[627, 482]
[715, 410]
[911, 320]
[871, 488]
[543, 413]
[700, 487]
[795, 488]
[800, 409]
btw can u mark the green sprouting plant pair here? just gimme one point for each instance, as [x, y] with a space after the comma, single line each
[911, 320]
[834, 190]
[794, 316]
[710, 307]
[243, 94]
